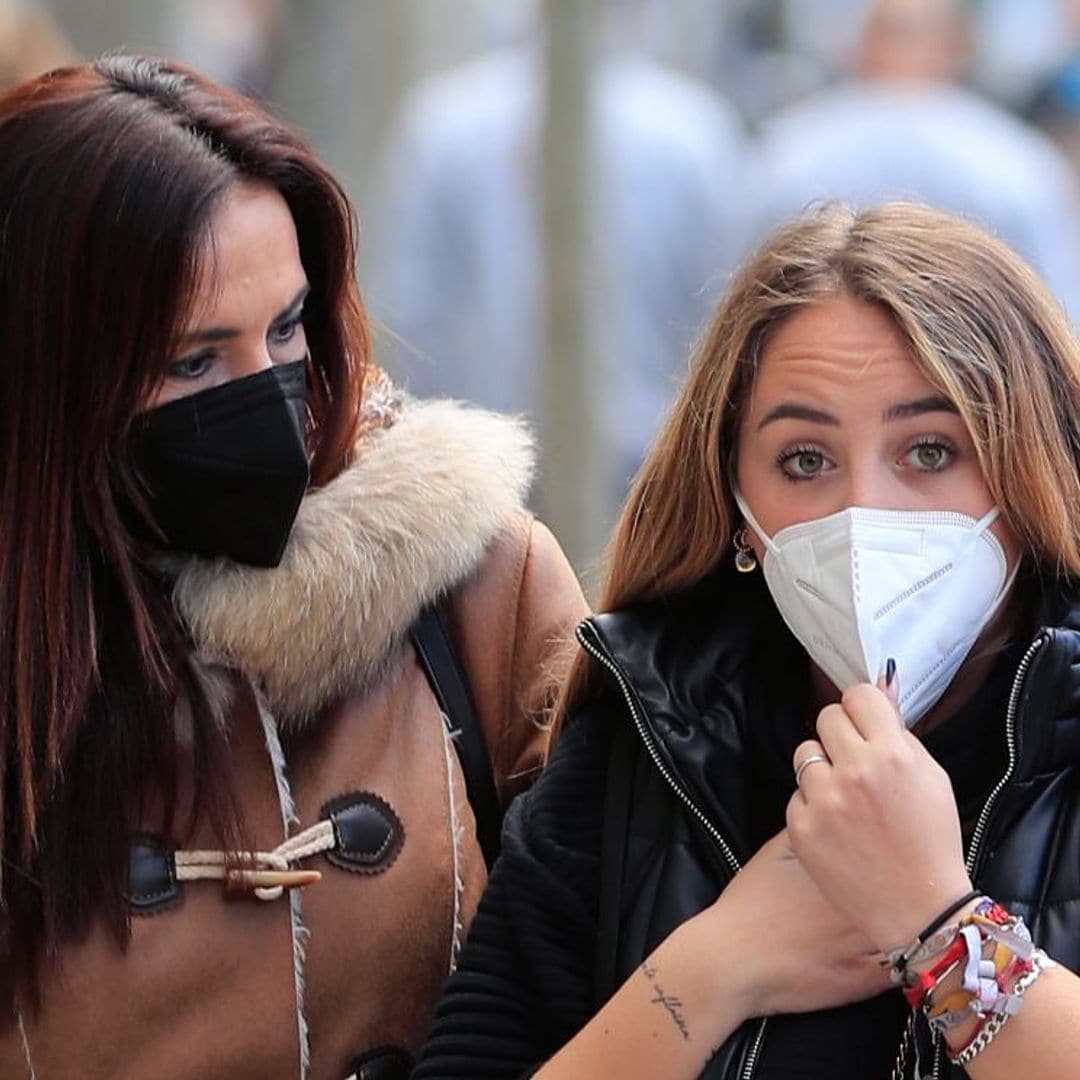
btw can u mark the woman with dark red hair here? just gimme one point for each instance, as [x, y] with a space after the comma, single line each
[271, 633]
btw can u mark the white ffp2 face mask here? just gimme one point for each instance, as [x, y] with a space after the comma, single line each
[861, 585]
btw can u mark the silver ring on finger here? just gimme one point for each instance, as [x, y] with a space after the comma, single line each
[811, 759]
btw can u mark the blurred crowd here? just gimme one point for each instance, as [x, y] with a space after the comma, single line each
[859, 101]
[693, 155]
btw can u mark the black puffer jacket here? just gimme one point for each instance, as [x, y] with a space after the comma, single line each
[642, 818]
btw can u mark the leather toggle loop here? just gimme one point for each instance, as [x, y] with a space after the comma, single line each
[358, 832]
[368, 832]
[264, 874]
[151, 882]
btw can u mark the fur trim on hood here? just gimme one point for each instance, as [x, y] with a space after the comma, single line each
[407, 521]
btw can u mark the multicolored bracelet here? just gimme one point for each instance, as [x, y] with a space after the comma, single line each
[992, 991]
[985, 1034]
[930, 941]
[997, 961]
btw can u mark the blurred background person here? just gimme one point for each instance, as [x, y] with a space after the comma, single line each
[30, 41]
[364, 81]
[234, 42]
[902, 127]
[458, 242]
[1054, 102]
[1019, 44]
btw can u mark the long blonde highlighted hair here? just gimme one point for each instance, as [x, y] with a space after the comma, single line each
[982, 328]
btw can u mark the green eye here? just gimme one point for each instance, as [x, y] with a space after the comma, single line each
[931, 456]
[803, 463]
[806, 463]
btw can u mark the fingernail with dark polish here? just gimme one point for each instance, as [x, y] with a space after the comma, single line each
[890, 671]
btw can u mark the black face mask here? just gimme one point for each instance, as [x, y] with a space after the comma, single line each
[225, 469]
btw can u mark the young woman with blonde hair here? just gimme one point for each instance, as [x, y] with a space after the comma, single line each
[819, 757]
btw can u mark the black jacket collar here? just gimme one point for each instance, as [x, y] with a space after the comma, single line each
[1047, 727]
[692, 661]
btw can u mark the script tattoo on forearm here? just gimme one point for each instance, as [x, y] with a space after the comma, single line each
[672, 1005]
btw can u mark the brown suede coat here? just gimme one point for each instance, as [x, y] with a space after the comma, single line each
[324, 698]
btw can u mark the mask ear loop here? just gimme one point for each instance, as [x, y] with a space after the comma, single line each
[774, 548]
[767, 540]
[979, 530]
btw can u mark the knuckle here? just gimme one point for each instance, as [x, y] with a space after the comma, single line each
[935, 768]
[804, 750]
[797, 823]
[861, 776]
[831, 714]
[856, 695]
[835, 802]
[895, 757]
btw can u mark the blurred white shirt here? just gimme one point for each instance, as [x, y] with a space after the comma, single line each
[457, 270]
[865, 143]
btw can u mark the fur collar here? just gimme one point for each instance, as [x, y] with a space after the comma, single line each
[431, 486]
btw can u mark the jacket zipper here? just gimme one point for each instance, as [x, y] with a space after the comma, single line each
[984, 817]
[597, 653]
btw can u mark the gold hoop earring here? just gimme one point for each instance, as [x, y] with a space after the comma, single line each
[745, 559]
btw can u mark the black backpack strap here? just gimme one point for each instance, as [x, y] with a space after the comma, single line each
[444, 673]
[612, 862]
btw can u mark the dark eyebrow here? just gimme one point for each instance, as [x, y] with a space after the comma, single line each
[935, 403]
[223, 333]
[790, 411]
[904, 410]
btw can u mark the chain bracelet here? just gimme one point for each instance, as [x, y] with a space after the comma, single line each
[1040, 962]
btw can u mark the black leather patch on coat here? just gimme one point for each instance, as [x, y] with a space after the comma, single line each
[369, 834]
[384, 1063]
[151, 883]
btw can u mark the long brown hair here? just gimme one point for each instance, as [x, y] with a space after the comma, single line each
[109, 173]
[982, 328]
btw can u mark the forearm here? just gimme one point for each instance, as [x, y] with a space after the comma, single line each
[667, 1019]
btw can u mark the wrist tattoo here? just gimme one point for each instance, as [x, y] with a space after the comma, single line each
[671, 1004]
